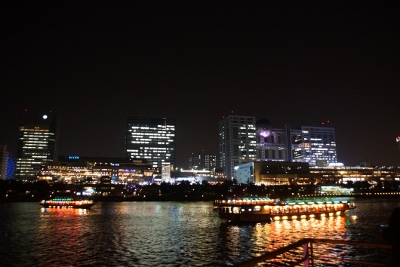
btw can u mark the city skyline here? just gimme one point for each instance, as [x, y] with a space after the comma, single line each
[300, 64]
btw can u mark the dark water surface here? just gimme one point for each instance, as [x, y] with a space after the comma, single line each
[164, 234]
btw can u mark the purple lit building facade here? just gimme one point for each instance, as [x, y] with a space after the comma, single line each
[243, 140]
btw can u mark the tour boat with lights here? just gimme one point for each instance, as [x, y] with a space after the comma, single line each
[266, 210]
[67, 203]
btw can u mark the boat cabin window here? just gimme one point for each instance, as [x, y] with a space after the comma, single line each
[235, 210]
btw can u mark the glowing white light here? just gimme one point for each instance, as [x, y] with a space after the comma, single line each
[265, 133]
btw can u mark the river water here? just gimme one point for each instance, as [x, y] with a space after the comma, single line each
[165, 234]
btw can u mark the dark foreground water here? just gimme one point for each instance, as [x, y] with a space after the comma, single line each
[165, 234]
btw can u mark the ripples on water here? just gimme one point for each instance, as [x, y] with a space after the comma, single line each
[165, 234]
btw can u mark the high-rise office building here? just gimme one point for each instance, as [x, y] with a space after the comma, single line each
[271, 142]
[312, 144]
[243, 140]
[37, 144]
[203, 161]
[152, 139]
[237, 142]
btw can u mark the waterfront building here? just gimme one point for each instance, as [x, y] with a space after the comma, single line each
[353, 174]
[37, 144]
[203, 161]
[198, 176]
[92, 170]
[152, 139]
[237, 142]
[300, 173]
[273, 173]
[334, 190]
[165, 174]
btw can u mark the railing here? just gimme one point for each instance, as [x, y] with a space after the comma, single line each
[308, 257]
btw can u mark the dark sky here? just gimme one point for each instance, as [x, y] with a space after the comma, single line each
[297, 63]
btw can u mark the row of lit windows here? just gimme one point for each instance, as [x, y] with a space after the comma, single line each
[151, 149]
[152, 133]
[150, 153]
[36, 131]
[144, 142]
[151, 140]
[41, 133]
[170, 127]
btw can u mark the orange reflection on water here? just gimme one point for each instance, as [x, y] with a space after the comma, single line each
[64, 211]
[283, 233]
[277, 234]
[67, 229]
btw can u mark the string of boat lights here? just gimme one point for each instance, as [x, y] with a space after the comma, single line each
[66, 203]
[284, 210]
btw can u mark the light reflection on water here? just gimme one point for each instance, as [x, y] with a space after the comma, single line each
[165, 234]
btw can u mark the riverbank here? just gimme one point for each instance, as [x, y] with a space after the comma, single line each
[116, 198]
[187, 198]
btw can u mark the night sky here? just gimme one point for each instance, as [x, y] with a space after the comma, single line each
[297, 63]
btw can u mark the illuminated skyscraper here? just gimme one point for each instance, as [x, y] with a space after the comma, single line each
[271, 142]
[312, 144]
[237, 142]
[37, 144]
[242, 140]
[152, 139]
[203, 161]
